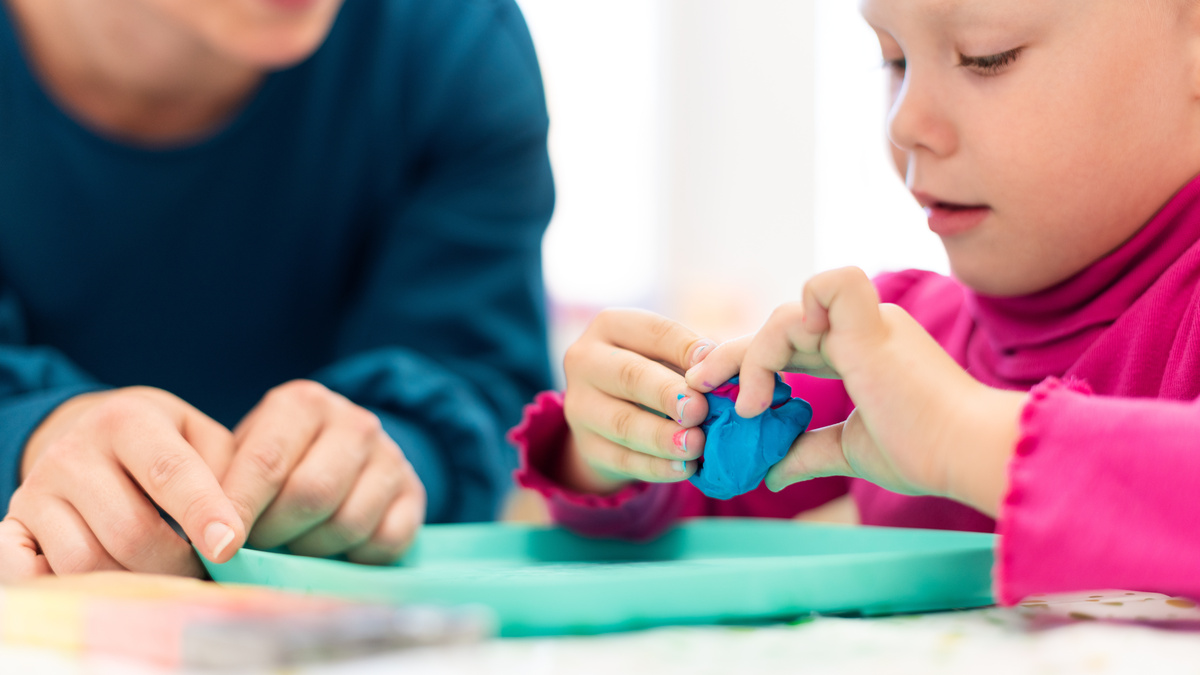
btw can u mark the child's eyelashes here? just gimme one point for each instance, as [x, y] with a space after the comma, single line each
[991, 64]
[895, 65]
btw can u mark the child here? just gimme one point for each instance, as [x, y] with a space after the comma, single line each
[1052, 384]
[310, 230]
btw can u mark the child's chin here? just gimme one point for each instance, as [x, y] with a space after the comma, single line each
[1011, 281]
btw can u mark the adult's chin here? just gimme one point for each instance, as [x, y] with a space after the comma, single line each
[279, 39]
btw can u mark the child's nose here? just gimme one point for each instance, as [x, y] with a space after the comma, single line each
[916, 120]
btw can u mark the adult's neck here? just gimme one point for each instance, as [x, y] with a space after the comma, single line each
[129, 72]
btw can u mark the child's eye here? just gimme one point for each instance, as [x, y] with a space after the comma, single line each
[992, 64]
[897, 66]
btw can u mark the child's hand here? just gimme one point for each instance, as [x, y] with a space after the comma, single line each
[628, 361]
[318, 473]
[90, 471]
[922, 425]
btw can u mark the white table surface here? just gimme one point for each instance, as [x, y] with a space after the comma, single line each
[980, 641]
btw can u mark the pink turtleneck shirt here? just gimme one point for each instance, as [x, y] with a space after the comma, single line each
[1105, 474]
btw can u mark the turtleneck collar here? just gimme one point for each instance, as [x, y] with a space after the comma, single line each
[1031, 336]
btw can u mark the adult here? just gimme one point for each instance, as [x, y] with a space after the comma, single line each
[271, 267]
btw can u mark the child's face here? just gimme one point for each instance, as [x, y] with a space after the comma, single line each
[1065, 124]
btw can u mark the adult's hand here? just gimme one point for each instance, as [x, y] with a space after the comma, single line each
[317, 473]
[92, 474]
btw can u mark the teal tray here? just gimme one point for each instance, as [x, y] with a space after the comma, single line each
[546, 581]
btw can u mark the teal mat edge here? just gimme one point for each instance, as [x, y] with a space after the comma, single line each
[527, 606]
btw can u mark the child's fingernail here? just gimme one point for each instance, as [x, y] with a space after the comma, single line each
[681, 439]
[218, 536]
[702, 351]
[681, 406]
[680, 467]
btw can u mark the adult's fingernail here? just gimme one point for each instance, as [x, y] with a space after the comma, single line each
[702, 351]
[217, 536]
[681, 405]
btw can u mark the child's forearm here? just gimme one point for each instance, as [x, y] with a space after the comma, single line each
[977, 472]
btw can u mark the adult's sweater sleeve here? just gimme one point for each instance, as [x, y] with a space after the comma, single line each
[448, 338]
[1102, 495]
[34, 380]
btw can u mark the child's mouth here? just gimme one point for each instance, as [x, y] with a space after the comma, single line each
[950, 218]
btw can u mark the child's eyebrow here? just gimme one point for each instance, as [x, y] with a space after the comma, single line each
[950, 13]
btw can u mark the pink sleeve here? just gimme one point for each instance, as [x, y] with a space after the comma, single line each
[644, 510]
[1102, 496]
[640, 511]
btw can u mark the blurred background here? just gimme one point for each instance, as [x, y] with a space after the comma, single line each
[711, 155]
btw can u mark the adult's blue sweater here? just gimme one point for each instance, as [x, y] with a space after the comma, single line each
[372, 219]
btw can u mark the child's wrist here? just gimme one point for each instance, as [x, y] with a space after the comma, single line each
[575, 473]
[977, 467]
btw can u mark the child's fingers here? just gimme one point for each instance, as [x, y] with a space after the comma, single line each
[628, 376]
[815, 454]
[843, 300]
[628, 425]
[772, 350]
[723, 363]
[652, 336]
[618, 461]
[321, 481]
[20, 557]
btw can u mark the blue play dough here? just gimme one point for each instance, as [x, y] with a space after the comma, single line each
[739, 451]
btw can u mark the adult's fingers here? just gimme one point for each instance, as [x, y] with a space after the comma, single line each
[20, 557]
[212, 441]
[359, 516]
[270, 443]
[63, 536]
[127, 525]
[321, 481]
[633, 427]
[396, 531]
[181, 483]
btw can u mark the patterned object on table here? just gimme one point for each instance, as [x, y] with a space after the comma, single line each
[1125, 606]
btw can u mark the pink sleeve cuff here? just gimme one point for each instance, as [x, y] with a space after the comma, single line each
[640, 511]
[1100, 496]
[1011, 509]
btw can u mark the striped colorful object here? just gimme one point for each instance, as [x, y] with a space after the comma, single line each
[174, 622]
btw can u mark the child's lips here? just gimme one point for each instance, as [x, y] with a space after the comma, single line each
[951, 218]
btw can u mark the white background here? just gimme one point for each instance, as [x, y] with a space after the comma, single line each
[711, 155]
